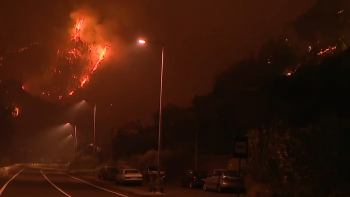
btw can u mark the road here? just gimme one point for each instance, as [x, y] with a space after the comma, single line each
[172, 189]
[34, 182]
[44, 182]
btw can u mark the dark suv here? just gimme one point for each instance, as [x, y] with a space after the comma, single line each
[107, 173]
[193, 179]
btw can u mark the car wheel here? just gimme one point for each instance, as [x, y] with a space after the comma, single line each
[205, 187]
[219, 188]
[190, 185]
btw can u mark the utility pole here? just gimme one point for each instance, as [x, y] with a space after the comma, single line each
[75, 141]
[239, 177]
[196, 145]
[160, 120]
[112, 149]
[94, 140]
[22, 155]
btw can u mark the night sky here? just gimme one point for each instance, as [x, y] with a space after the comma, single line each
[201, 37]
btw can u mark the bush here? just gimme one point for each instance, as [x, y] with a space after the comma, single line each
[5, 161]
[84, 163]
[296, 162]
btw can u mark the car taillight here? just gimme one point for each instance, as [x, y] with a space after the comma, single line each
[194, 177]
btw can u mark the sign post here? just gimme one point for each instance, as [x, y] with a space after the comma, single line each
[240, 151]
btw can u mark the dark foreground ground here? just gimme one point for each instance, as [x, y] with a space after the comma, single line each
[35, 182]
[43, 182]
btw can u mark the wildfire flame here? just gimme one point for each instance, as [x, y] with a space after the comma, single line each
[328, 50]
[83, 59]
[15, 113]
[102, 57]
[78, 27]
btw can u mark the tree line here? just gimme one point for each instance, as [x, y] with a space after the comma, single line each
[291, 100]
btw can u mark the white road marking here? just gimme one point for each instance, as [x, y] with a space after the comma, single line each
[3, 187]
[113, 192]
[55, 185]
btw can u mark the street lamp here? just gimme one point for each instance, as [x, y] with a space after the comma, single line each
[75, 138]
[94, 137]
[160, 107]
[94, 142]
[142, 41]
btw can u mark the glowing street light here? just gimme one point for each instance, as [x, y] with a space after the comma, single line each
[75, 137]
[142, 41]
[94, 136]
[160, 108]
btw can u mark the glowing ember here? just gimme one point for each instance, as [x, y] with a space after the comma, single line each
[328, 50]
[22, 49]
[83, 82]
[15, 113]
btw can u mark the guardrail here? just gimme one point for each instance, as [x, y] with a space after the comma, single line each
[4, 171]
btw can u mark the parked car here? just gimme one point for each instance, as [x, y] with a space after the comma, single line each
[127, 176]
[221, 179]
[193, 179]
[107, 172]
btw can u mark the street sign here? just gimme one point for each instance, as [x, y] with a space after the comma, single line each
[240, 147]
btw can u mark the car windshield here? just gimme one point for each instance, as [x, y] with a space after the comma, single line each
[230, 173]
[217, 173]
[111, 169]
[131, 171]
[152, 169]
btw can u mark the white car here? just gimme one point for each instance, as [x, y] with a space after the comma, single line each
[221, 179]
[129, 176]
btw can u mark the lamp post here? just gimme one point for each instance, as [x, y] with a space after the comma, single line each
[75, 138]
[160, 108]
[94, 141]
[94, 132]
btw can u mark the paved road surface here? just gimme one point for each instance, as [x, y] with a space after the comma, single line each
[172, 189]
[33, 182]
[44, 182]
